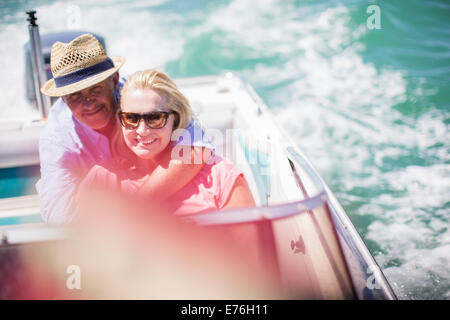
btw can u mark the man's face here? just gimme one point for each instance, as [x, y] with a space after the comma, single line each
[95, 106]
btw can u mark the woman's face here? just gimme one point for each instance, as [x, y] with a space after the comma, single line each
[146, 142]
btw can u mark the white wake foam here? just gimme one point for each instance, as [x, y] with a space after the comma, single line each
[340, 110]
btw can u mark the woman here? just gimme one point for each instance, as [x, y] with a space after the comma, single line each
[151, 108]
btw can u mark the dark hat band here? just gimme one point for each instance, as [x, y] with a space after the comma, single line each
[82, 74]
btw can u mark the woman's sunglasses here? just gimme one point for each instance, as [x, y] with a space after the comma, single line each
[154, 120]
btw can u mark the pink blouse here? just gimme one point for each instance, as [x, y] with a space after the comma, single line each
[209, 190]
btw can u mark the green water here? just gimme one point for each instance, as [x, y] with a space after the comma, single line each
[369, 107]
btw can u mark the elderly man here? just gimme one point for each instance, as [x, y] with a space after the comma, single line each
[80, 123]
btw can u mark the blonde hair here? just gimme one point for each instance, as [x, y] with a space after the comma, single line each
[154, 79]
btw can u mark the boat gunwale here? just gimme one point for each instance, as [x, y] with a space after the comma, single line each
[342, 221]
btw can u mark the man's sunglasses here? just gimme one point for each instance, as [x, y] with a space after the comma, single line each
[154, 120]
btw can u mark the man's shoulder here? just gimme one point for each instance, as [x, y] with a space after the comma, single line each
[59, 115]
[59, 125]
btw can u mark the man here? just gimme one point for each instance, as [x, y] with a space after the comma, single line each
[80, 123]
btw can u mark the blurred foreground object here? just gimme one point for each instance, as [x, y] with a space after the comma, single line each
[123, 248]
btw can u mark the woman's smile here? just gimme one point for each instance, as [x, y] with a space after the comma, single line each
[146, 141]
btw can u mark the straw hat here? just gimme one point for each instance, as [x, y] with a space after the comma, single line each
[78, 65]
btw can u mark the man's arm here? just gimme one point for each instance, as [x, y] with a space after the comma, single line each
[57, 185]
[171, 175]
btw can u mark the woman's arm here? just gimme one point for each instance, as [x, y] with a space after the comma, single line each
[240, 196]
[171, 175]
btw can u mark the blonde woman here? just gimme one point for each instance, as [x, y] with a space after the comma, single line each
[151, 108]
